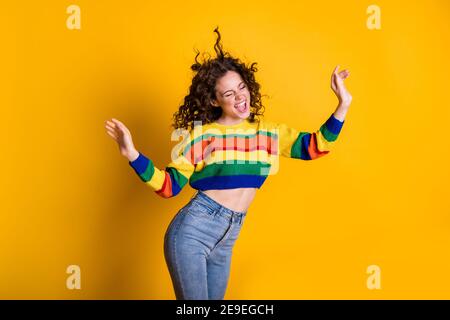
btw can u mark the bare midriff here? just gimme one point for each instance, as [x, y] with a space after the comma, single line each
[238, 199]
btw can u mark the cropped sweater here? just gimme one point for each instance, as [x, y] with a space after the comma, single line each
[216, 156]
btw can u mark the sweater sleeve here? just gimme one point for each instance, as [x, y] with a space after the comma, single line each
[168, 182]
[308, 146]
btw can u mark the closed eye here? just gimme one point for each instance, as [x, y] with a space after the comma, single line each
[242, 88]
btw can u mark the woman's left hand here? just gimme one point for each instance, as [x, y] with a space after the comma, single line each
[337, 84]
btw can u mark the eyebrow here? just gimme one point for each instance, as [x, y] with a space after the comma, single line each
[232, 90]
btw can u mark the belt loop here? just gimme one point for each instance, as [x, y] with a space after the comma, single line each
[216, 212]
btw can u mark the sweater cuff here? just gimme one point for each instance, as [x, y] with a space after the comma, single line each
[140, 163]
[334, 125]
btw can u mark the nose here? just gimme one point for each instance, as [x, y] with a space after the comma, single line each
[240, 97]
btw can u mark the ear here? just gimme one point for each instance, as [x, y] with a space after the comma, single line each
[214, 103]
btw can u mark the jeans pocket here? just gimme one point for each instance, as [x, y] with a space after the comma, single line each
[200, 210]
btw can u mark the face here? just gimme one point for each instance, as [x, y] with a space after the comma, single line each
[233, 96]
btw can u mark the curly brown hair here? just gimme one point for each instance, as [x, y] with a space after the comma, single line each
[197, 104]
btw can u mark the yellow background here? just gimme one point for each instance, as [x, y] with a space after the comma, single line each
[381, 197]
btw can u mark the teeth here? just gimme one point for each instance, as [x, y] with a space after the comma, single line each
[240, 105]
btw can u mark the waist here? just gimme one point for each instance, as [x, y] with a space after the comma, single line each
[211, 199]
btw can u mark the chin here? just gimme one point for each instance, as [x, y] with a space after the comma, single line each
[244, 116]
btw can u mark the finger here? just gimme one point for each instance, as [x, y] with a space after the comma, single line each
[333, 77]
[110, 123]
[336, 69]
[110, 127]
[113, 130]
[334, 81]
[117, 121]
[120, 125]
[343, 75]
[337, 77]
[112, 135]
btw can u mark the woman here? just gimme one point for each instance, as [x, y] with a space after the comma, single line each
[227, 152]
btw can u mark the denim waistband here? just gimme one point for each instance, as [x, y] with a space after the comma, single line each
[214, 205]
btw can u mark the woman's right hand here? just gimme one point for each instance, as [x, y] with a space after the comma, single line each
[120, 133]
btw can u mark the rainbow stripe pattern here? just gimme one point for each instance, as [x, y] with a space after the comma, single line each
[216, 156]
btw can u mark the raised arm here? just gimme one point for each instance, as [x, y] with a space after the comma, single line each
[166, 183]
[310, 146]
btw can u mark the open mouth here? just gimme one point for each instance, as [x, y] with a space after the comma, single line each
[241, 107]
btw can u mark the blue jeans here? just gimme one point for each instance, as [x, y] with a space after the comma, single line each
[197, 247]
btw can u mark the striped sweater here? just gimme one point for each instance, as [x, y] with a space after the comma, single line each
[216, 156]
